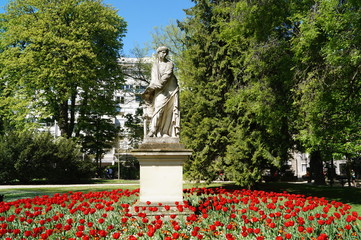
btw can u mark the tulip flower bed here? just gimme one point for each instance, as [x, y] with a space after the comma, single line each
[215, 214]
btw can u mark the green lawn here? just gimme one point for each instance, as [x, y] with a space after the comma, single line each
[17, 193]
[348, 195]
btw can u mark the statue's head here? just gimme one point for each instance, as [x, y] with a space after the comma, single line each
[163, 48]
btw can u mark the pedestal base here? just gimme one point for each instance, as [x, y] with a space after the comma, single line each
[166, 211]
[161, 180]
[161, 170]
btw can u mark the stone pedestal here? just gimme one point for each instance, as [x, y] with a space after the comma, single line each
[161, 170]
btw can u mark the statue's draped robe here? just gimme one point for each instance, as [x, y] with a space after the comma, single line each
[165, 118]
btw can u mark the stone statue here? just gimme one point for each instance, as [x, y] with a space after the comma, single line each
[162, 99]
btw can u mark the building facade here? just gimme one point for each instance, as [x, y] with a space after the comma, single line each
[128, 102]
[300, 162]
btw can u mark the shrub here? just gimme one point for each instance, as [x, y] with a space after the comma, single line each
[36, 157]
[7, 172]
[70, 164]
[29, 155]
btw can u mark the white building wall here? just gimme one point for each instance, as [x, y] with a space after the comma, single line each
[299, 163]
[128, 103]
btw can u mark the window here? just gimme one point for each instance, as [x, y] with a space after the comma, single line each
[117, 123]
[304, 168]
[343, 168]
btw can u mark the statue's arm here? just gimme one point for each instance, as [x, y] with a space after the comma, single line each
[163, 78]
[167, 74]
[154, 83]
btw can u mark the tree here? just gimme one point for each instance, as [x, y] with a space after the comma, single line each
[205, 78]
[327, 94]
[171, 36]
[37, 158]
[135, 128]
[25, 156]
[236, 86]
[56, 56]
[98, 137]
[140, 70]
[9, 151]
[258, 104]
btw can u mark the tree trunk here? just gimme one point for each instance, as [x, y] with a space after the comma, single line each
[98, 159]
[63, 119]
[316, 165]
[348, 169]
[82, 112]
[72, 114]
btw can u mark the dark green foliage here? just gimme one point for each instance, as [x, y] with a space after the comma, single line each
[262, 77]
[236, 85]
[129, 167]
[258, 111]
[205, 76]
[327, 94]
[9, 152]
[98, 137]
[27, 156]
[70, 163]
[35, 157]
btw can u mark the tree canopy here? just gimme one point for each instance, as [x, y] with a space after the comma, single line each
[58, 59]
[235, 88]
[260, 78]
[327, 80]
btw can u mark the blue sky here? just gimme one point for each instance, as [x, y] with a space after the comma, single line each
[142, 16]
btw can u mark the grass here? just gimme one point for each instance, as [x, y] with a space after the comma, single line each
[349, 195]
[81, 181]
[14, 193]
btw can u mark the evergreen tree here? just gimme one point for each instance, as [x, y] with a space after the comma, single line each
[261, 77]
[205, 78]
[259, 104]
[237, 83]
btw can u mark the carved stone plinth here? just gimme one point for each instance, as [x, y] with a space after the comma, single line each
[161, 170]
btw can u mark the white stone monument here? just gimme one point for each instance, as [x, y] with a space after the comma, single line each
[161, 156]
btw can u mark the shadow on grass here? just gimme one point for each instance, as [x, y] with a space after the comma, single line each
[19, 194]
[349, 195]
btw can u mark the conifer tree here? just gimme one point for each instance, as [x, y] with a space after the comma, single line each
[236, 85]
[205, 75]
[260, 78]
